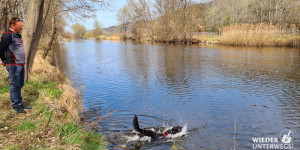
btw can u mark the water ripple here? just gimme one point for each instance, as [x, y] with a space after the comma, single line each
[203, 87]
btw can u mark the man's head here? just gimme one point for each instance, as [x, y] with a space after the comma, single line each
[15, 24]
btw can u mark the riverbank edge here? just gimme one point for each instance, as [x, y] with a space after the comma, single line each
[53, 123]
[286, 41]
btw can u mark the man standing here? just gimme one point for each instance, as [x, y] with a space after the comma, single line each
[12, 55]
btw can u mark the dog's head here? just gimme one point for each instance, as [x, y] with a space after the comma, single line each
[175, 129]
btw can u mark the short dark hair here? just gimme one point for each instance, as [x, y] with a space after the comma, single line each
[14, 20]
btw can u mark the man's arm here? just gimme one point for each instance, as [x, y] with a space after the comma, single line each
[5, 42]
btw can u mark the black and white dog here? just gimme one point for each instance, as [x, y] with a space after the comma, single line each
[152, 134]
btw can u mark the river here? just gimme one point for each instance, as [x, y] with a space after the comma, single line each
[218, 92]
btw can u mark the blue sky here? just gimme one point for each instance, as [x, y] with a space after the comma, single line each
[107, 17]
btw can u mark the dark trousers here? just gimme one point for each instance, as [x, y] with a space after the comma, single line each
[16, 77]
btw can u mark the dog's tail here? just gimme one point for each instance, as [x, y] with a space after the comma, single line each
[136, 124]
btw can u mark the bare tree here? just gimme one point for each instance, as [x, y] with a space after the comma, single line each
[184, 17]
[166, 19]
[97, 28]
[33, 30]
[236, 10]
[4, 15]
[142, 13]
[53, 26]
[280, 12]
[125, 17]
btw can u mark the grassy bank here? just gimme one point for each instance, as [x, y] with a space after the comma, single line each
[53, 123]
[259, 35]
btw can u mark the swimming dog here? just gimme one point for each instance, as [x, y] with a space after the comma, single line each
[152, 134]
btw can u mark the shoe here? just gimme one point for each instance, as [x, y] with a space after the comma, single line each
[25, 107]
[19, 110]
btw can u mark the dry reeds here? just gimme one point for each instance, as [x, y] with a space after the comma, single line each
[70, 98]
[94, 124]
[42, 68]
[261, 34]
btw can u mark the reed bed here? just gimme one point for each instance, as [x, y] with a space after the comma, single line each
[260, 35]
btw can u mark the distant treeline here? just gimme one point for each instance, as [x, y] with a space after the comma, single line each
[80, 32]
[179, 20]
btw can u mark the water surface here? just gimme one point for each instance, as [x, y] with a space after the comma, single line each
[205, 87]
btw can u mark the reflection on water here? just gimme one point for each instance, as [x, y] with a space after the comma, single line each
[203, 87]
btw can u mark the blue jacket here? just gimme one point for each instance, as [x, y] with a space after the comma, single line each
[12, 49]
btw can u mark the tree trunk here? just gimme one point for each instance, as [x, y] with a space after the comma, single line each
[13, 8]
[148, 31]
[4, 18]
[52, 38]
[32, 32]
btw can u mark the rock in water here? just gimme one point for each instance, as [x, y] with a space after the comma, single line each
[138, 145]
[124, 147]
[174, 147]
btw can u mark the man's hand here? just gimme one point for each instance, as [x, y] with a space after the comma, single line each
[2, 64]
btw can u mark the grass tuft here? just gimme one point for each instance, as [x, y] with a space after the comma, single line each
[27, 125]
[4, 88]
[73, 134]
[92, 140]
[12, 147]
